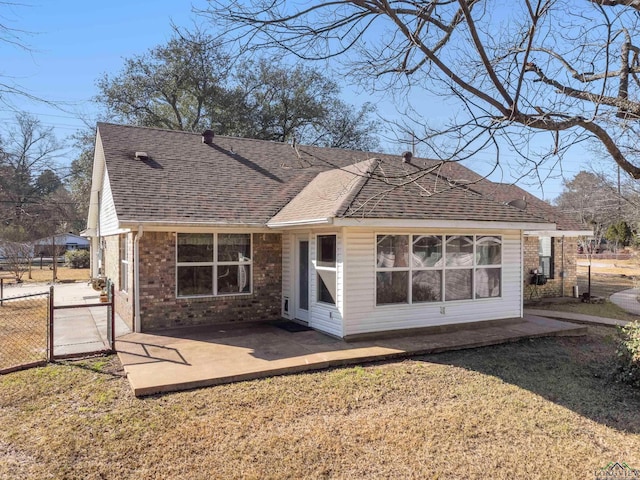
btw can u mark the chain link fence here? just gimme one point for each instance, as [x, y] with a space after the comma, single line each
[24, 322]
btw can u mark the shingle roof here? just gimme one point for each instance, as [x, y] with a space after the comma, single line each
[383, 188]
[246, 181]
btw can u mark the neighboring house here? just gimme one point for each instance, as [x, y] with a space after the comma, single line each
[62, 243]
[210, 230]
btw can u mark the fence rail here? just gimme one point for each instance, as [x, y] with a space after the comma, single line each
[31, 328]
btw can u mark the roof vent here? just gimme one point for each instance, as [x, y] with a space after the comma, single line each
[519, 203]
[406, 157]
[141, 155]
[207, 137]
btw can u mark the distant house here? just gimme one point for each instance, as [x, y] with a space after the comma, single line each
[61, 243]
[204, 230]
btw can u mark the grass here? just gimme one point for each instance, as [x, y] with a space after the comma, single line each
[543, 408]
[606, 309]
[65, 274]
[23, 330]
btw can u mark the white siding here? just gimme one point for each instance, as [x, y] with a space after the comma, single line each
[288, 291]
[363, 316]
[108, 217]
[325, 317]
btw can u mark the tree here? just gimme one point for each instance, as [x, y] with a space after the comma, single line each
[191, 84]
[79, 180]
[170, 86]
[33, 201]
[567, 69]
[345, 128]
[619, 233]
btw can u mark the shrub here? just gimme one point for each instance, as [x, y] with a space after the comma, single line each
[628, 352]
[77, 258]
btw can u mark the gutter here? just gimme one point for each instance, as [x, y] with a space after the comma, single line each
[136, 281]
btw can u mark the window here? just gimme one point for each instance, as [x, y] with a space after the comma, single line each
[545, 256]
[213, 264]
[124, 262]
[326, 268]
[434, 268]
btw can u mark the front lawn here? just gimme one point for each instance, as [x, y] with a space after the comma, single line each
[542, 408]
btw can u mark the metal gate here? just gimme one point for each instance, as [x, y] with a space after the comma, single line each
[83, 327]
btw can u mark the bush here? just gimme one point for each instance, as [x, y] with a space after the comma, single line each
[77, 258]
[628, 352]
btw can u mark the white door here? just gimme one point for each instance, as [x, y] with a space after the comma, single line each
[302, 279]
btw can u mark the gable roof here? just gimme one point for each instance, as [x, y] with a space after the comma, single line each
[238, 181]
[384, 189]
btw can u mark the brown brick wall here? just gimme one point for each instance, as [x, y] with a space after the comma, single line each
[554, 286]
[124, 300]
[159, 307]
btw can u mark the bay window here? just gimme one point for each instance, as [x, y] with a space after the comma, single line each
[434, 268]
[213, 264]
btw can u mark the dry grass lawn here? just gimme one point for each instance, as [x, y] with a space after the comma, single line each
[23, 331]
[65, 274]
[542, 408]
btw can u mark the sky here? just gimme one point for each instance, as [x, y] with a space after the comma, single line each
[73, 43]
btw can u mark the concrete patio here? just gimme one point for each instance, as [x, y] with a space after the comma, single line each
[195, 357]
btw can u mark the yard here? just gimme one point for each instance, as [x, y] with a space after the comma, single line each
[542, 408]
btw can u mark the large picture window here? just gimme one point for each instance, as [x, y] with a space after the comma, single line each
[213, 264]
[326, 268]
[436, 268]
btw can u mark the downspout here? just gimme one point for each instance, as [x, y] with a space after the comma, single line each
[136, 281]
[564, 272]
[522, 274]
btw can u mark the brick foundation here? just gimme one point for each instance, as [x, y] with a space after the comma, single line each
[560, 285]
[159, 307]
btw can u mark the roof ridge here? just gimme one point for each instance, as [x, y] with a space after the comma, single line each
[371, 166]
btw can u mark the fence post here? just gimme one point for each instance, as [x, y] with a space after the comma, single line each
[112, 340]
[1, 291]
[51, 315]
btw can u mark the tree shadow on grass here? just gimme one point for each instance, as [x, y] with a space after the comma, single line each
[574, 372]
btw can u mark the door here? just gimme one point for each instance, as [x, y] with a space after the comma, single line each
[302, 279]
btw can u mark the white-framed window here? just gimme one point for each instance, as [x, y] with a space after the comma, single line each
[434, 268]
[326, 247]
[213, 264]
[124, 262]
[545, 256]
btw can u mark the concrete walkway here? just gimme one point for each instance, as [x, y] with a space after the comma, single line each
[627, 300]
[76, 331]
[202, 356]
[576, 317]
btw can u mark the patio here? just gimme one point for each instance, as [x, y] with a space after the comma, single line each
[194, 357]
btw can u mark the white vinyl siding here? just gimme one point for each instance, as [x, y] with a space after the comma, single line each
[108, 216]
[362, 315]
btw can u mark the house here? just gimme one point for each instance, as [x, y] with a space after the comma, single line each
[202, 230]
[62, 242]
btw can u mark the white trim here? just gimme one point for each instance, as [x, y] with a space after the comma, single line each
[198, 228]
[214, 264]
[136, 279]
[298, 223]
[441, 224]
[558, 233]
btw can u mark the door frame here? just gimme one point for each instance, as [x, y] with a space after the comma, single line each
[299, 314]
